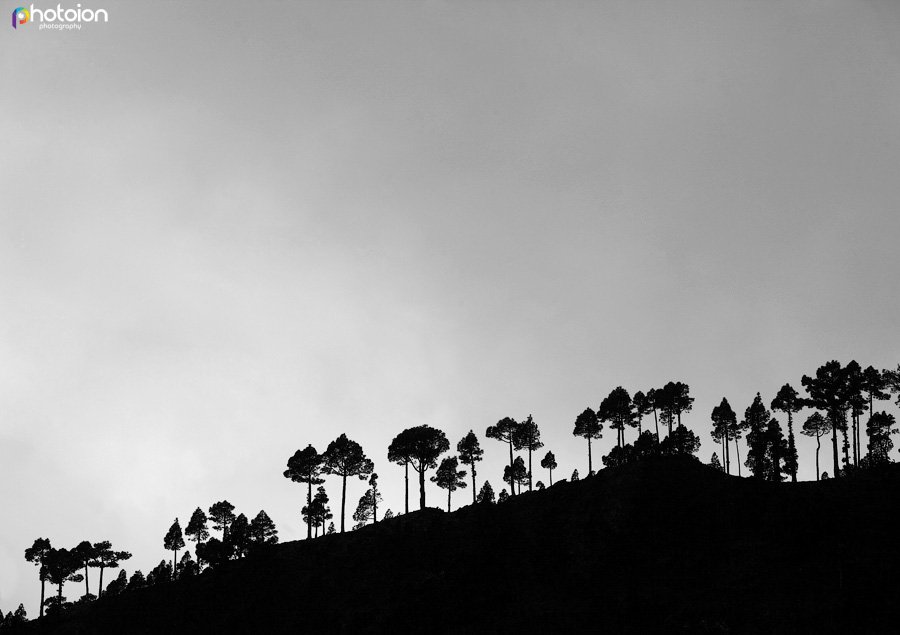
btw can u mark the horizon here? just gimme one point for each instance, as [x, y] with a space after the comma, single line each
[231, 235]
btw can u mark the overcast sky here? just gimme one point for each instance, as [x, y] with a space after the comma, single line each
[229, 230]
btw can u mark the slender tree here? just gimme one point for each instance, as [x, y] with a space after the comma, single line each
[173, 541]
[517, 475]
[617, 410]
[37, 555]
[107, 558]
[399, 453]
[449, 477]
[880, 427]
[505, 432]
[856, 402]
[62, 566]
[305, 466]
[222, 515]
[422, 445]
[714, 462]
[788, 401]
[345, 458]
[724, 422]
[237, 544]
[642, 407]
[776, 451]
[197, 530]
[364, 509]
[874, 386]
[816, 426]
[827, 392]
[85, 552]
[549, 463]
[528, 437]
[470, 453]
[652, 402]
[588, 426]
[376, 496]
[486, 493]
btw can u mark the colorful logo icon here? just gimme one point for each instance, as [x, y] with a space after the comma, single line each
[20, 16]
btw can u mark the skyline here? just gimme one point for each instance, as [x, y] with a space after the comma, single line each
[228, 236]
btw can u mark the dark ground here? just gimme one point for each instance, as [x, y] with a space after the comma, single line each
[666, 545]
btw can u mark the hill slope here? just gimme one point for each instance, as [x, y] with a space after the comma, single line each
[666, 545]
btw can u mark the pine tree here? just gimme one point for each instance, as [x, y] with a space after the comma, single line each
[365, 509]
[106, 558]
[187, 567]
[344, 457]
[86, 552]
[118, 585]
[37, 555]
[756, 420]
[517, 476]
[642, 407]
[305, 466]
[470, 453]
[197, 530]
[828, 393]
[549, 463]
[588, 426]
[450, 478]
[575, 476]
[486, 493]
[724, 423]
[528, 437]
[714, 462]
[505, 432]
[879, 429]
[504, 495]
[262, 531]
[136, 581]
[222, 515]
[617, 410]
[816, 426]
[173, 541]
[420, 447]
[62, 566]
[237, 544]
[376, 496]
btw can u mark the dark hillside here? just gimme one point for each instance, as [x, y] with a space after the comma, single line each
[666, 545]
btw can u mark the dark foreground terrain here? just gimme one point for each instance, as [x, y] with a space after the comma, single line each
[667, 545]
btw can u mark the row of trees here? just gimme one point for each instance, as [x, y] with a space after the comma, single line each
[839, 397]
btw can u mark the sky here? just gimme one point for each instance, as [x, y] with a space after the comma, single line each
[230, 230]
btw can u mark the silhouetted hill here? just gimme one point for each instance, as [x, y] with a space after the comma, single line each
[666, 545]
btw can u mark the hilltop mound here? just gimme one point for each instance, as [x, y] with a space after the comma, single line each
[665, 545]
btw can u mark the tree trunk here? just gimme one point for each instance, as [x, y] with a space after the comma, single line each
[790, 436]
[100, 588]
[43, 582]
[87, 588]
[308, 505]
[737, 451]
[512, 487]
[406, 479]
[656, 424]
[590, 465]
[834, 425]
[529, 469]
[174, 564]
[421, 487]
[818, 445]
[343, 501]
[449, 491]
[473, 483]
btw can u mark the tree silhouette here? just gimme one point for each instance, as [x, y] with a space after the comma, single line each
[187, 567]
[118, 585]
[344, 457]
[398, 452]
[856, 401]
[160, 574]
[827, 392]
[880, 428]
[724, 424]
[13, 619]
[137, 581]
[504, 495]
[776, 451]
[106, 558]
[653, 398]
[505, 432]
[173, 541]
[305, 466]
[681, 442]
[756, 420]
[37, 555]
[470, 453]
[874, 386]
[213, 552]
[527, 436]
[617, 410]
[714, 462]
[486, 493]
[62, 566]
[448, 477]
[788, 401]
[549, 463]
[642, 407]
[388, 514]
[376, 496]
[237, 544]
[517, 475]
[421, 446]
[222, 515]
[262, 531]
[588, 426]
[367, 508]
[330, 528]
[575, 476]
[86, 553]
[539, 486]
[197, 530]
[816, 426]
[317, 512]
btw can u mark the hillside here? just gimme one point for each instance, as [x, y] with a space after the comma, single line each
[666, 545]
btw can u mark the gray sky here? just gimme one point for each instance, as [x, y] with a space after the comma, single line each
[230, 230]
